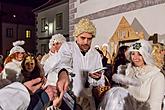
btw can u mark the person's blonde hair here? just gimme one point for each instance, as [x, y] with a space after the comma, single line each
[156, 53]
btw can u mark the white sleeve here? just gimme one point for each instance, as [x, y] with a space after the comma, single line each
[97, 65]
[66, 60]
[14, 97]
[51, 63]
[9, 70]
[157, 92]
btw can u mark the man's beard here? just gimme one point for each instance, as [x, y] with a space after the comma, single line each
[84, 48]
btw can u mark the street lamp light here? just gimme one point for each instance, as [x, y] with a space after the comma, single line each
[46, 27]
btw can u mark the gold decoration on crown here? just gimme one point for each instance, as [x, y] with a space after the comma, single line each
[29, 59]
[84, 25]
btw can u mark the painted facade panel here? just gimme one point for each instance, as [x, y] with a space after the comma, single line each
[92, 6]
[149, 14]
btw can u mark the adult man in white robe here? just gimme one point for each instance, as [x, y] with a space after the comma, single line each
[80, 59]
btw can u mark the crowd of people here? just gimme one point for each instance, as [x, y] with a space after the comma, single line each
[72, 75]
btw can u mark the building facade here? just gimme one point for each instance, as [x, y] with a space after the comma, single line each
[16, 23]
[51, 18]
[146, 16]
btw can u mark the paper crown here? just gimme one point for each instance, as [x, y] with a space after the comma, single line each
[144, 48]
[84, 25]
[56, 38]
[17, 47]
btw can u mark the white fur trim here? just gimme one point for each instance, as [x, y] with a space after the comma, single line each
[122, 79]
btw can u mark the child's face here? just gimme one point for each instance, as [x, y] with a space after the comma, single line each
[19, 56]
[29, 64]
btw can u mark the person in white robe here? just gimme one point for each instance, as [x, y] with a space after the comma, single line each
[12, 64]
[54, 45]
[145, 84]
[52, 61]
[80, 59]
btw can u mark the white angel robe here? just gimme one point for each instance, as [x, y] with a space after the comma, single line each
[75, 62]
[14, 97]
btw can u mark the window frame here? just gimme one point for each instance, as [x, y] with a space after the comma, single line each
[9, 32]
[43, 24]
[59, 21]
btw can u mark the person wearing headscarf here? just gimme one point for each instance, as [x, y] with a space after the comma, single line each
[54, 45]
[144, 83]
[12, 63]
[80, 59]
[51, 60]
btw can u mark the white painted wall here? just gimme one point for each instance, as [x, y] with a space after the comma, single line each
[151, 18]
[92, 6]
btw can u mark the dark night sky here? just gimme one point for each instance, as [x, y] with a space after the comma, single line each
[31, 3]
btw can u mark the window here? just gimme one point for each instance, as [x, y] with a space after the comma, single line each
[59, 21]
[43, 24]
[7, 52]
[123, 34]
[9, 32]
[28, 33]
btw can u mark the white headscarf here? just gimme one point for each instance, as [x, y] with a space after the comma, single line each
[144, 48]
[17, 47]
[56, 38]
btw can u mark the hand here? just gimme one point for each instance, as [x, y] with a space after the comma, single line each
[63, 81]
[33, 84]
[51, 92]
[96, 75]
[57, 100]
[44, 80]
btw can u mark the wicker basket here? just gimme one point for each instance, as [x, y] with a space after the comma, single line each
[99, 91]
